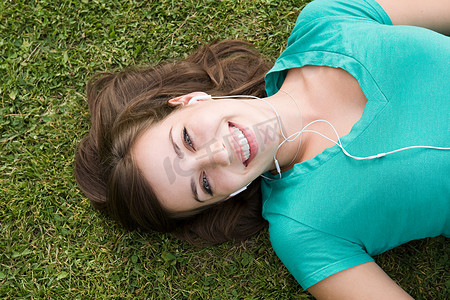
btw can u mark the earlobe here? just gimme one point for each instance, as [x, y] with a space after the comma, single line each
[178, 101]
[189, 99]
[174, 102]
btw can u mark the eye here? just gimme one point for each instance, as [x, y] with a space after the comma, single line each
[205, 185]
[187, 139]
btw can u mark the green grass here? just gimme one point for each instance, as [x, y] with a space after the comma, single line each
[52, 243]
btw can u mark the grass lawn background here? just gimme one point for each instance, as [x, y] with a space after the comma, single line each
[52, 243]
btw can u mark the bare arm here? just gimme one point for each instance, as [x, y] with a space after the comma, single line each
[366, 281]
[433, 14]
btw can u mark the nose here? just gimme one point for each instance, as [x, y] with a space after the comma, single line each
[212, 154]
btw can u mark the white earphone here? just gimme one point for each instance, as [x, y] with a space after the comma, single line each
[296, 135]
[240, 190]
[339, 143]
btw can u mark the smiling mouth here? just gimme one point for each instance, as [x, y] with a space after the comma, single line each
[244, 149]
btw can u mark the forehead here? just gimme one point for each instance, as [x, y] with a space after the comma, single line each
[154, 155]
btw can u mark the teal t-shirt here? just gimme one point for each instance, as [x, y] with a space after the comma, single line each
[331, 212]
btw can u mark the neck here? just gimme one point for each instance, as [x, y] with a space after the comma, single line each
[289, 112]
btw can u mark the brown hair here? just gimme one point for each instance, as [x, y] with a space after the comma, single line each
[123, 105]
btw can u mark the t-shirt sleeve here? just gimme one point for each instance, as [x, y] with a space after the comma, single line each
[318, 28]
[356, 9]
[311, 255]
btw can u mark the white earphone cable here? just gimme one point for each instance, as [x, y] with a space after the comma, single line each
[298, 134]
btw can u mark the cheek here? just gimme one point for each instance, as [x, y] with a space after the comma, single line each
[224, 181]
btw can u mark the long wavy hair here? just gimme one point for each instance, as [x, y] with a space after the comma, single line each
[122, 105]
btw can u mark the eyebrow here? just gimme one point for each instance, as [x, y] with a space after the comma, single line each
[181, 155]
[175, 146]
[194, 190]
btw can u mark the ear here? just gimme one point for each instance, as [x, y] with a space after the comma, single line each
[189, 99]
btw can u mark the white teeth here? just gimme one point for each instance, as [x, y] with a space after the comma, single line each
[245, 147]
[246, 154]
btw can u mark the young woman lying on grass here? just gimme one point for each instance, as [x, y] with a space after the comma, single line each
[313, 144]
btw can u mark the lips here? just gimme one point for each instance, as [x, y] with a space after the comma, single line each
[244, 143]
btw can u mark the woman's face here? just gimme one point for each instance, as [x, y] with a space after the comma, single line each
[206, 150]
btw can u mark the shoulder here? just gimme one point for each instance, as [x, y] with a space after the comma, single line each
[309, 254]
[365, 9]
